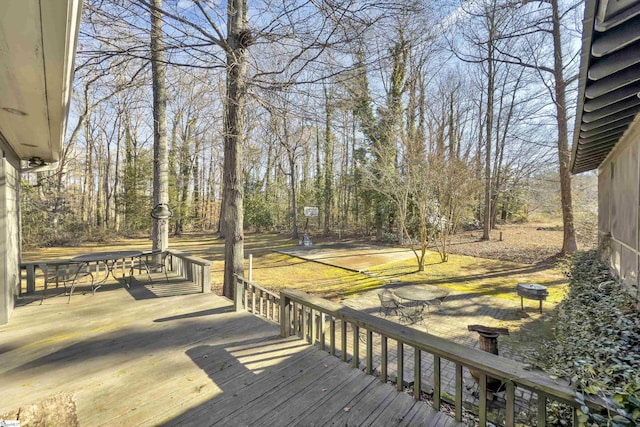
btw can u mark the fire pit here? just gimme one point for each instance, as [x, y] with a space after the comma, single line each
[488, 342]
[531, 291]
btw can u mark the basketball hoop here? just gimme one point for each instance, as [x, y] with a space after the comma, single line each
[311, 211]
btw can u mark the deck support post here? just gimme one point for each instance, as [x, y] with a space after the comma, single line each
[285, 316]
[238, 294]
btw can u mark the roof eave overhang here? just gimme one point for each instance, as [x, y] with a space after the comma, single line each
[609, 80]
[38, 42]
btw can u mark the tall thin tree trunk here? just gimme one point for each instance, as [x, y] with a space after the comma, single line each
[160, 233]
[116, 182]
[196, 185]
[486, 223]
[237, 40]
[328, 163]
[569, 244]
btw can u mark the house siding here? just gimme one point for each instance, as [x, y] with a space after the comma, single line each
[618, 208]
[9, 234]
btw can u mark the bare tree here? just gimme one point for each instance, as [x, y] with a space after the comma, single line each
[534, 31]
[160, 233]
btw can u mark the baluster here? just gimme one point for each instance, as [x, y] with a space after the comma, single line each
[482, 399]
[511, 404]
[384, 361]
[273, 302]
[322, 334]
[304, 323]
[436, 382]
[253, 299]
[356, 346]
[458, 397]
[332, 336]
[314, 326]
[296, 319]
[417, 372]
[269, 313]
[343, 343]
[400, 367]
[245, 296]
[261, 302]
[542, 410]
[369, 351]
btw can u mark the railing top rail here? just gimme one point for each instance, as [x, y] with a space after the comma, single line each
[191, 258]
[491, 364]
[46, 261]
[275, 294]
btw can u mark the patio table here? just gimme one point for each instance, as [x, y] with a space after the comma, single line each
[421, 296]
[109, 259]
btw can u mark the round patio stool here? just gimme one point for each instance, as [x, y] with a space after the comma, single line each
[531, 291]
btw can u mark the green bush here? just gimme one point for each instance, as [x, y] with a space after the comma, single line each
[597, 341]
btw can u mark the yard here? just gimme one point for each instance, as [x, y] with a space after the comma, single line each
[475, 282]
[480, 290]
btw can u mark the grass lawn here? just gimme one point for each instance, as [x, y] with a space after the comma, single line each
[476, 275]
[461, 274]
[276, 271]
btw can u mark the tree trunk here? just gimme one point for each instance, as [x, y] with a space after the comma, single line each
[569, 244]
[116, 181]
[196, 186]
[160, 233]
[237, 38]
[318, 174]
[486, 223]
[328, 163]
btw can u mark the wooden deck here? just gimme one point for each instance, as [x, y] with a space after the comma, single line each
[164, 354]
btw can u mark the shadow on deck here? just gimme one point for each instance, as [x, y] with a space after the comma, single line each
[132, 357]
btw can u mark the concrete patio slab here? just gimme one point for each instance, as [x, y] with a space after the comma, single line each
[350, 256]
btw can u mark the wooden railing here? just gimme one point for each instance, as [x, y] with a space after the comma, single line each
[305, 315]
[121, 267]
[256, 300]
[192, 268]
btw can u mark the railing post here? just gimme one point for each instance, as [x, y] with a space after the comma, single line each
[206, 279]
[31, 278]
[237, 295]
[284, 316]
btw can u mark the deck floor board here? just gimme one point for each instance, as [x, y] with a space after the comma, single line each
[160, 356]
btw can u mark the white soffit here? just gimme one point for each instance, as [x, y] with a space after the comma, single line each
[37, 49]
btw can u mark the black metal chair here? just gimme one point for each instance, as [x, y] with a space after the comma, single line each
[387, 302]
[412, 313]
[64, 272]
[152, 261]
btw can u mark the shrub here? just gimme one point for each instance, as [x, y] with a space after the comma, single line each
[597, 341]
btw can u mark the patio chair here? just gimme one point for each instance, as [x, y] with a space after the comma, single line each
[437, 303]
[155, 260]
[64, 272]
[387, 302]
[412, 313]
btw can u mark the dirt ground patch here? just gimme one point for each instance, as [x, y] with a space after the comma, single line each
[530, 243]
